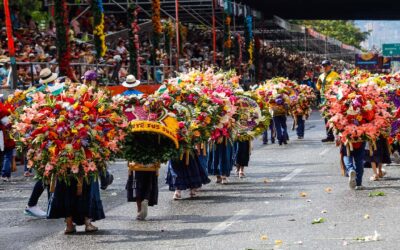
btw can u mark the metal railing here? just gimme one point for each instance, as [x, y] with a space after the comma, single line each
[109, 74]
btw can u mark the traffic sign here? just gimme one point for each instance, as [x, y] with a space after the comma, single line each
[391, 49]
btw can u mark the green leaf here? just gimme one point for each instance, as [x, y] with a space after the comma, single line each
[318, 221]
[376, 193]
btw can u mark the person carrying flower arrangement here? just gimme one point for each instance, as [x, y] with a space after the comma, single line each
[145, 150]
[69, 136]
[324, 82]
[47, 79]
[358, 113]
[279, 107]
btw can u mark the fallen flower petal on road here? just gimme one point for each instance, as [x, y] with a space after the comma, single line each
[318, 221]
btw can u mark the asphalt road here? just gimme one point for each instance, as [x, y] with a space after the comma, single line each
[287, 187]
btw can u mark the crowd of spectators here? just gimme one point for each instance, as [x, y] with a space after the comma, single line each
[35, 45]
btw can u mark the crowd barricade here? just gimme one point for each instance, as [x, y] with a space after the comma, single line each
[28, 73]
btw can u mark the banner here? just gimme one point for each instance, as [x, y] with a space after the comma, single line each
[157, 128]
[368, 61]
[386, 63]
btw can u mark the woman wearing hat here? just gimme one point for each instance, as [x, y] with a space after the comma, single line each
[141, 186]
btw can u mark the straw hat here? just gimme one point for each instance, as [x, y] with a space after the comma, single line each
[131, 82]
[47, 76]
[4, 59]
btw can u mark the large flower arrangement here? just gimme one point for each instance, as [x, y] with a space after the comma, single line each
[303, 100]
[278, 93]
[251, 121]
[357, 112]
[203, 105]
[70, 135]
[152, 131]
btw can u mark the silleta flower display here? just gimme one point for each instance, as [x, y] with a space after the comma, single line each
[70, 135]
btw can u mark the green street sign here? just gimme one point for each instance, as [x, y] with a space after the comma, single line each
[391, 49]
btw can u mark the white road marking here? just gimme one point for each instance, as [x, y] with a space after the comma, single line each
[292, 174]
[324, 151]
[229, 222]
[10, 209]
[266, 202]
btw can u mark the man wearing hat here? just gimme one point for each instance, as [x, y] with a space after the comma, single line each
[325, 81]
[131, 83]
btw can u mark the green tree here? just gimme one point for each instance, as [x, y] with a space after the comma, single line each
[344, 31]
[24, 6]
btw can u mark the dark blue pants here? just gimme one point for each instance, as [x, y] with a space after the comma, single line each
[355, 162]
[7, 161]
[273, 133]
[300, 126]
[281, 128]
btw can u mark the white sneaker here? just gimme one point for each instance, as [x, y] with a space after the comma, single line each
[360, 188]
[35, 212]
[352, 179]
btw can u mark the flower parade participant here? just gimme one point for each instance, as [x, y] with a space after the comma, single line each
[142, 183]
[130, 83]
[69, 135]
[380, 155]
[324, 82]
[279, 109]
[187, 171]
[357, 111]
[151, 140]
[47, 78]
[301, 107]
[251, 121]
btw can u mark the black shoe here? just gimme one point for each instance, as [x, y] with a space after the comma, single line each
[273, 141]
[285, 142]
[300, 137]
[265, 143]
[280, 143]
[328, 140]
